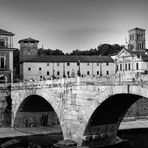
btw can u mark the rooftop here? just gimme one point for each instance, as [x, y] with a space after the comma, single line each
[137, 29]
[28, 40]
[65, 58]
[4, 32]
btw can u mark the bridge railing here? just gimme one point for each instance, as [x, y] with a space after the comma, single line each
[76, 81]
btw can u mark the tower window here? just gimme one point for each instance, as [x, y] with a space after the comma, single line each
[29, 68]
[40, 68]
[97, 72]
[68, 64]
[87, 72]
[47, 73]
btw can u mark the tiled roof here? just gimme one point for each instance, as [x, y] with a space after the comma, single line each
[137, 29]
[28, 40]
[66, 58]
[4, 32]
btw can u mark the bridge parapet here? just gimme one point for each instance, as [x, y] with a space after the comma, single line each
[71, 82]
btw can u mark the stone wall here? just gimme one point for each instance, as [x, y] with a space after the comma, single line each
[28, 119]
[5, 115]
[139, 110]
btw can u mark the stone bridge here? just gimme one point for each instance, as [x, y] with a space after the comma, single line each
[85, 108]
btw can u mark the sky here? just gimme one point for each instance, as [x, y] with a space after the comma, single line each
[73, 24]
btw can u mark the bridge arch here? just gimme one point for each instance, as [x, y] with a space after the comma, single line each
[23, 98]
[108, 110]
[35, 111]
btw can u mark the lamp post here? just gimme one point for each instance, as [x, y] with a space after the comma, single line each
[79, 73]
[64, 70]
[53, 76]
[100, 69]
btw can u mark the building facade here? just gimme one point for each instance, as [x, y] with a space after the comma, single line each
[133, 61]
[6, 56]
[46, 67]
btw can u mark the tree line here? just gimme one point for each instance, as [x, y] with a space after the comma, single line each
[103, 50]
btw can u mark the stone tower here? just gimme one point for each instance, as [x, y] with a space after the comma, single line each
[28, 47]
[136, 39]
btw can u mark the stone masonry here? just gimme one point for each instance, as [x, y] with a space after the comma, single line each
[75, 101]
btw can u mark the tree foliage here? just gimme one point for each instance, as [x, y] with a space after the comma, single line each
[104, 50]
[42, 51]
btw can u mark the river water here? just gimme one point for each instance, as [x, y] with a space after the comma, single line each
[138, 138]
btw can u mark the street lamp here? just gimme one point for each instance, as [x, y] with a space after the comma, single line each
[53, 76]
[64, 70]
[79, 73]
[100, 69]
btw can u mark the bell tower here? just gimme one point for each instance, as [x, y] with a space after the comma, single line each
[136, 39]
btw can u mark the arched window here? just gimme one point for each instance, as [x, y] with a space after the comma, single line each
[2, 61]
[2, 43]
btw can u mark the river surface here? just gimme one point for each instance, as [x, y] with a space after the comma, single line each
[138, 138]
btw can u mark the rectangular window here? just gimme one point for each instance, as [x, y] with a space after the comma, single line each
[97, 72]
[87, 64]
[68, 64]
[68, 73]
[47, 64]
[125, 66]
[47, 73]
[2, 44]
[58, 73]
[116, 68]
[97, 64]
[129, 66]
[107, 72]
[78, 63]
[40, 68]
[58, 64]
[120, 66]
[87, 72]
[137, 66]
[107, 63]
[2, 62]
[29, 68]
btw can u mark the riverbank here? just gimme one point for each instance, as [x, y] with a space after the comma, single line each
[136, 132]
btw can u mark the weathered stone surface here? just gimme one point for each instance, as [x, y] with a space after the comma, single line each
[75, 101]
